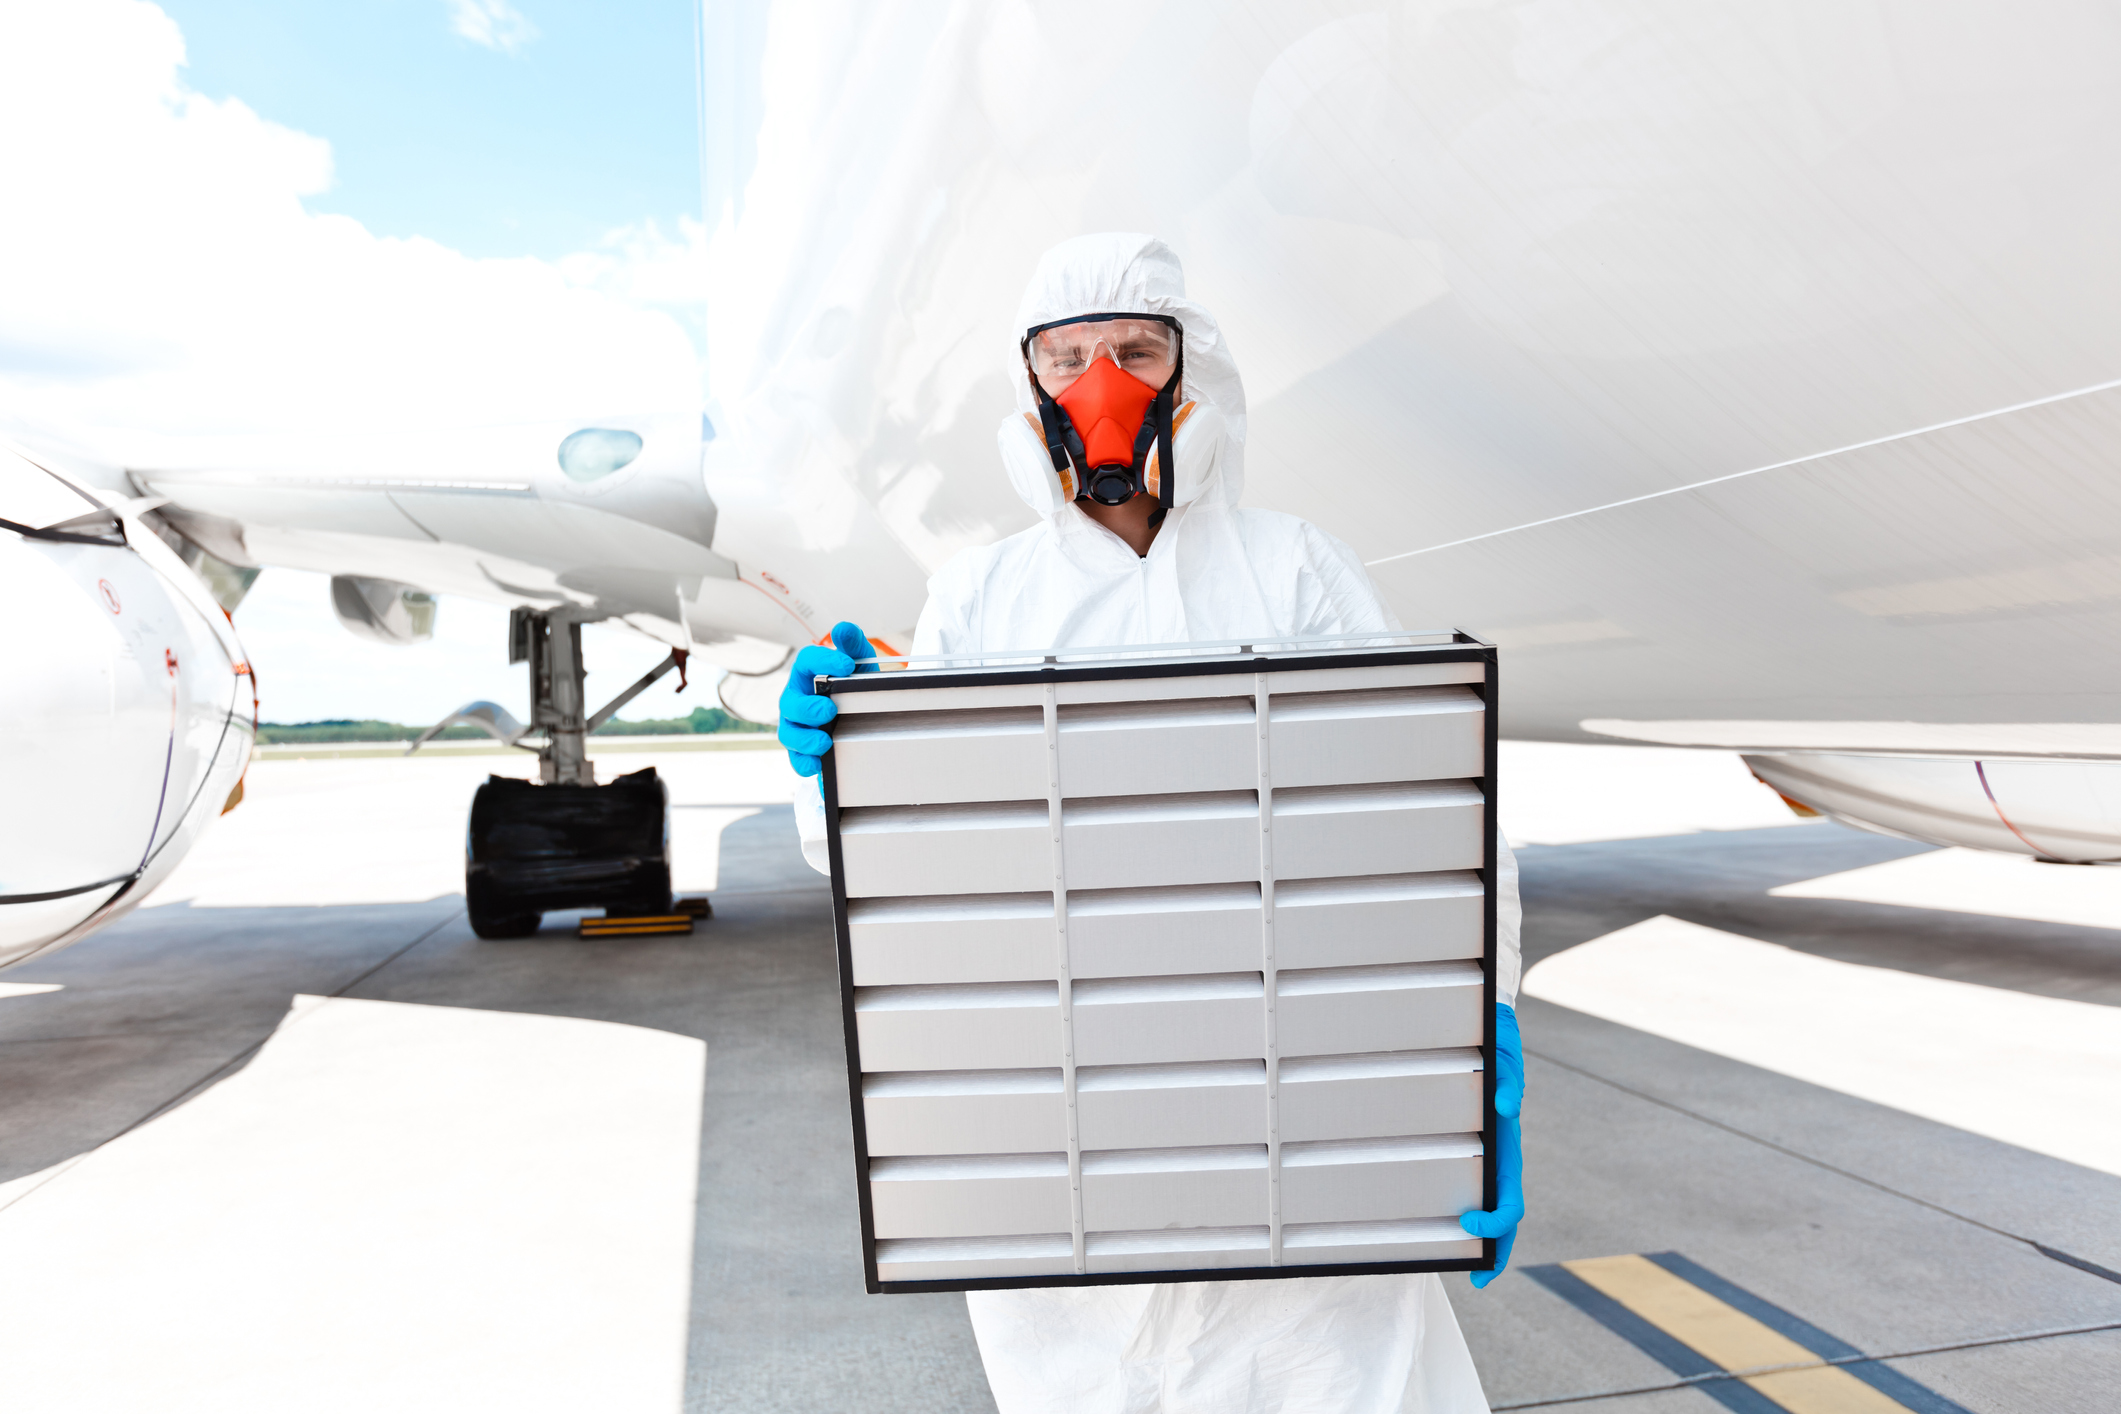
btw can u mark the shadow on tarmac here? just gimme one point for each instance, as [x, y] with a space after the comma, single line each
[1909, 1240]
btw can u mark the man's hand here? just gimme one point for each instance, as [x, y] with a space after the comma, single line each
[1501, 1223]
[804, 714]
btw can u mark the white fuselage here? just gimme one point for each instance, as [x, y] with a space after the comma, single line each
[128, 705]
[1747, 372]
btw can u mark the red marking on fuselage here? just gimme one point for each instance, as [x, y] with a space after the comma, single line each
[1997, 806]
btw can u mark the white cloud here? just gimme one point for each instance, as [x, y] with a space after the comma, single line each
[163, 288]
[644, 266]
[493, 23]
[311, 669]
[159, 273]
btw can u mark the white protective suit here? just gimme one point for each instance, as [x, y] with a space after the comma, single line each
[1216, 571]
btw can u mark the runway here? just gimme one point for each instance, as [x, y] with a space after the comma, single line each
[291, 1138]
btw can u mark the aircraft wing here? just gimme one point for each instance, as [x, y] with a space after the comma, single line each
[610, 520]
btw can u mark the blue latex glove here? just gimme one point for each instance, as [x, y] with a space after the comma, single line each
[1501, 1223]
[803, 712]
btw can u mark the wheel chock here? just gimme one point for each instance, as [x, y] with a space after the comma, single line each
[623, 927]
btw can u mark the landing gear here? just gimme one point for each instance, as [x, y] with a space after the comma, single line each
[536, 848]
[564, 841]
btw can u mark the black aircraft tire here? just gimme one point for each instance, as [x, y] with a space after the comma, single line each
[494, 915]
[532, 849]
[515, 925]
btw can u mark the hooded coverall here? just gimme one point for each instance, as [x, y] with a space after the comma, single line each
[1216, 571]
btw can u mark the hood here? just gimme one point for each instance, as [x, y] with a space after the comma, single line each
[1123, 273]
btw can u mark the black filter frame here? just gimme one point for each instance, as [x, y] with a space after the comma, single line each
[1463, 648]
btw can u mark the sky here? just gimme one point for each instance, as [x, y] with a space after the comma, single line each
[310, 669]
[233, 217]
[493, 129]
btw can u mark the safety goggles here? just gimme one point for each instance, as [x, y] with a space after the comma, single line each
[1144, 345]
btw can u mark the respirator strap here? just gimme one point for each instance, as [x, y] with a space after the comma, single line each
[1063, 443]
[1143, 441]
[1156, 432]
[1166, 467]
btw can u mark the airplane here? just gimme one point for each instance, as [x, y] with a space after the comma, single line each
[129, 705]
[1751, 375]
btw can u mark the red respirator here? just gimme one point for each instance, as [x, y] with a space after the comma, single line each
[1100, 428]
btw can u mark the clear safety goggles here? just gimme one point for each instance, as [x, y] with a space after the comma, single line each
[1144, 345]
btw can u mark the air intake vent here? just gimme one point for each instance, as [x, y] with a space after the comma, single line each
[1179, 968]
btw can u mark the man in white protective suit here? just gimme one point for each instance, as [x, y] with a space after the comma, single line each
[1123, 382]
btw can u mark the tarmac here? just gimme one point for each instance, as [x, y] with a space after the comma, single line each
[290, 1138]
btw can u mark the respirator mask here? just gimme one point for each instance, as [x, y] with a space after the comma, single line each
[1106, 385]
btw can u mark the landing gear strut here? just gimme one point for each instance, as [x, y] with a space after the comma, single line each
[565, 841]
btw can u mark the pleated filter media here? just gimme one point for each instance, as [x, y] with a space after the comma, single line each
[1168, 969]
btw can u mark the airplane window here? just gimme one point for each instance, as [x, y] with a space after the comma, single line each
[596, 452]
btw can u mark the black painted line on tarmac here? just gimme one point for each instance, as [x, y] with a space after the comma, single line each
[1668, 1350]
[1919, 1398]
[2021, 1338]
[1716, 1381]
[2078, 1262]
[2092, 1267]
[98, 1036]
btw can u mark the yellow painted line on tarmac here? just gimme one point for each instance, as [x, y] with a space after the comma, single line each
[1729, 1337]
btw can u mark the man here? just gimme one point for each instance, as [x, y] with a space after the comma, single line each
[1128, 441]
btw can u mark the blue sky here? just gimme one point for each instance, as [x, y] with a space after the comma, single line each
[237, 177]
[496, 127]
